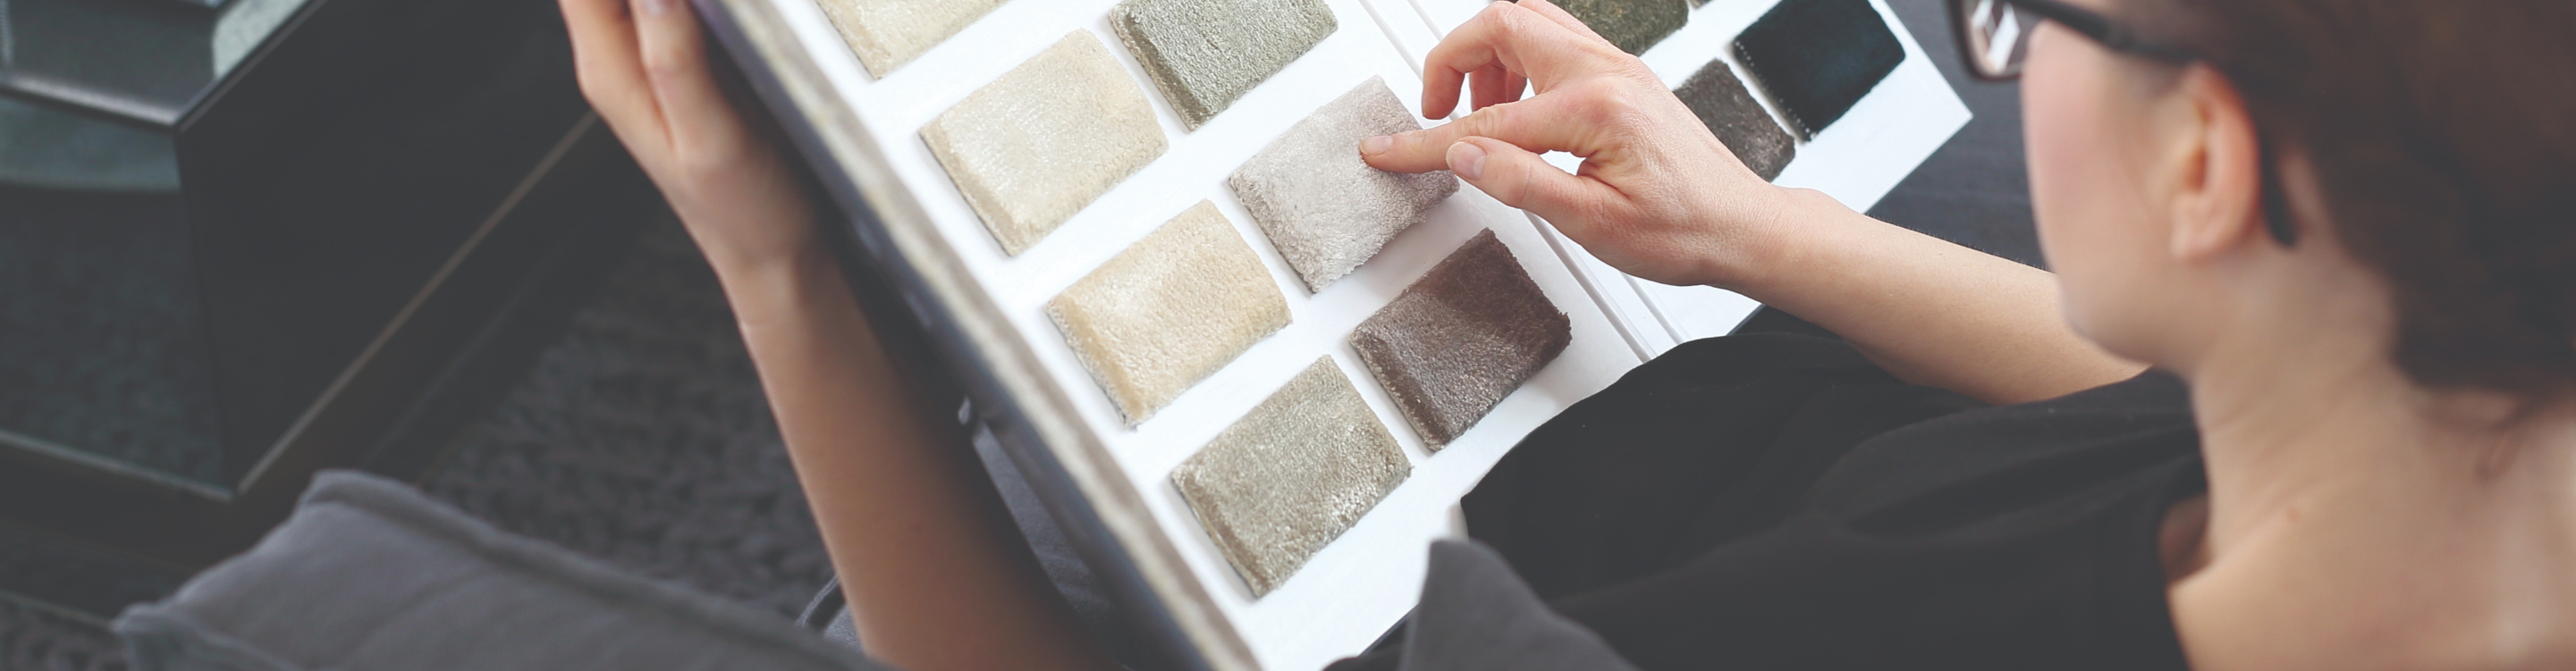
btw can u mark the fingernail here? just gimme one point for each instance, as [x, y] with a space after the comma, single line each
[1377, 145]
[1468, 160]
[655, 7]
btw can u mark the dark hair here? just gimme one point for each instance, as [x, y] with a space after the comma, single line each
[2443, 133]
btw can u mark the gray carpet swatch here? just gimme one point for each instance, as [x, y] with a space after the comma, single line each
[1037, 145]
[1205, 54]
[1326, 210]
[1169, 311]
[1728, 109]
[1461, 339]
[1290, 477]
[1633, 25]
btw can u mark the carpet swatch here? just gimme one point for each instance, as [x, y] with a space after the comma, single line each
[889, 33]
[1040, 143]
[1633, 25]
[1819, 57]
[1169, 311]
[1729, 110]
[1291, 476]
[1326, 210]
[1205, 54]
[1463, 337]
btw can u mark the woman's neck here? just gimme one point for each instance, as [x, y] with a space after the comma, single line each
[2395, 526]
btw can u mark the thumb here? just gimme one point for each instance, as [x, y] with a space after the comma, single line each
[1521, 179]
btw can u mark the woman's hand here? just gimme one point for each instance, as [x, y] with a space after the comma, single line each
[643, 65]
[1657, 196]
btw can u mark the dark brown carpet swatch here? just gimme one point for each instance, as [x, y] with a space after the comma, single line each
[1455, 343]
[1729, 110]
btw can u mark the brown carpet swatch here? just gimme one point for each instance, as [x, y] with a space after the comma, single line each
[1455, 343]
[1729, 110]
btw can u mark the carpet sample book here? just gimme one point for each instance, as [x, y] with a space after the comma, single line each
[1633, 25]
[1460, 339]
[889, 33]
[1291, 476]
[1205, 54]
[1817, 58]
[1169, 311]
[1040, 143]
[1729, 110]
[1326, 210]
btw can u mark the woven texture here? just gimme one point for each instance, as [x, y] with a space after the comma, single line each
[1729, 110]
[1037, 145]
[889, 33]
[1291, 476]
[1633, 25]
[1455, 343]
[1169, 311]
[1817, 58]
[1326, 210]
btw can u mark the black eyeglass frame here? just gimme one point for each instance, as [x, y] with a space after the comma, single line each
[2111, 34]
[2123, 39]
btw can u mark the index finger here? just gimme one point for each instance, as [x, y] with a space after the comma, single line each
[1539, 124]
[1527, 41]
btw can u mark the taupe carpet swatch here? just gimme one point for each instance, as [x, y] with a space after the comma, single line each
[1291, 476]
[1463, 337]
[1729, 110]
[889, 33]
[1169, 311]
[1037, 145]
[1205, 54]
[1633, 25]
[1326, 210]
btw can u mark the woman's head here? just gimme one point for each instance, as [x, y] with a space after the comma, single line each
[2429, 146]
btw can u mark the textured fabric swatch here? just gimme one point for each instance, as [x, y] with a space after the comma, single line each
[1037, 145]
[1291, 476]
[1819, 57]
[1730, 111]
[1633, 25]
[889, 33]
[1205, 54]
[1169, 311]
[1463, 337]
[1326, 210]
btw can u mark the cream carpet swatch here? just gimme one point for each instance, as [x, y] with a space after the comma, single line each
[1040, 143]
[1205, 54]
[889, 33]
[1463, 337]
[1321, 206]
[1169, 311]
[1289, 478]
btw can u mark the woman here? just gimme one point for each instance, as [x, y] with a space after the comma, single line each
[2349, 226]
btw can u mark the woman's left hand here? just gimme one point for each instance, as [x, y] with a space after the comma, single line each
[643, 64]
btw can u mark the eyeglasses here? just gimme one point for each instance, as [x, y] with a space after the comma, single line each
[1994, 35]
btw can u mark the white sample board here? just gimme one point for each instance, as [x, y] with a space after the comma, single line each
[864, 132]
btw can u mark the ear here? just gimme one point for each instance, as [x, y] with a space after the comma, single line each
[2218, 188]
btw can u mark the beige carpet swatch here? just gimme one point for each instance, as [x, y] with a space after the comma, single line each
[1326, 210]
[1040, 143]
[1291, 476]
[1463, 337]
[889, 33]
[1169, 311]
[1729, 110]
[1205, 54]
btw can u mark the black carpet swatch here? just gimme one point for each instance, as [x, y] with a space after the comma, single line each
[1819, 57]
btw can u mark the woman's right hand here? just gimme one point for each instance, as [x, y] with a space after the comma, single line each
[1658, 196]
